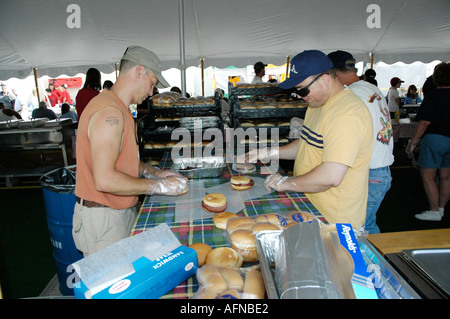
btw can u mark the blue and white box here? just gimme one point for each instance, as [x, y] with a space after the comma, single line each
[144, 266]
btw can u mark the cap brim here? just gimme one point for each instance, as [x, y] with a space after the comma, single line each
[162, 82]
[290, 83]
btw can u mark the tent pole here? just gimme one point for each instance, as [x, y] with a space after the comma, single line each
[36, 83]
[115, 67]
[371, 60]
[182, 53]
[203, 76]
[288, 60]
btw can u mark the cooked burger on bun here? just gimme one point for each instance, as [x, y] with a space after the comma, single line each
[241, 183]
[214, 202]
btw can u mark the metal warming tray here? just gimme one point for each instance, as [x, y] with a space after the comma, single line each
[199, 167]
[433, 264]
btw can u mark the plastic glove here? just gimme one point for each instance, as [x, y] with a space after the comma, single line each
[279, 183]
[150, 172]
[171, 185]
[264, 155]
[410, 148]
[155, 172]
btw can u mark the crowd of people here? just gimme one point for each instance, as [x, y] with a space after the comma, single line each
[341, 161]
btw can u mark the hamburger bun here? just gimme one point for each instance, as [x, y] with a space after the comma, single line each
[211, 279]
[185, 191]
[224, 257]
[239, 223]
[202, 250]
[232, 277]
[214, 203]
[264, 226]
[254, 285]
[220, 219]
[243, 241]
[244, 167]
[241, 183]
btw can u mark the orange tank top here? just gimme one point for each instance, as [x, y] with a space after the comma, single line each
[128, 161]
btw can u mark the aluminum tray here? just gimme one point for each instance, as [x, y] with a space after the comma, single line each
[434, 264]
[33, 123]
[200, 167]
[9, 124]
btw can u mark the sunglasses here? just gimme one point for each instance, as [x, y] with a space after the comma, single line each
[305, 91]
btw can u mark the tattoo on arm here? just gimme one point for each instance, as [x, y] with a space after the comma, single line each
[112, 120]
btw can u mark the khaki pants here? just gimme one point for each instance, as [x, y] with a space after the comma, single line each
[95, 228]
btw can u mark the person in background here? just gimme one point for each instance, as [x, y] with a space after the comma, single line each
[260, 71]
[224, 105]
[434, 126]
[369, 76]
[7, 98]
[43, 111]
[382, 155]
[91, 88]
[33, 102]
[393, 96]
[66, 113]
[412, 96]
[429, 86]
[56, 92]
[332, 157]
[6, 114]
[110, 175]
[107, 85]
[51, 97]
[65, 96]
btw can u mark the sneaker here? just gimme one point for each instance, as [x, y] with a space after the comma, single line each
[429, 215]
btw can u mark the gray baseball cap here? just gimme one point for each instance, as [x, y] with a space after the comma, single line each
[147, 58]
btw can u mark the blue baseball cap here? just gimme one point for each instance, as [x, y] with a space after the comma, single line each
[305, 64]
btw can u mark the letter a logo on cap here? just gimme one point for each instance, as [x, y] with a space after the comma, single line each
[293, 70]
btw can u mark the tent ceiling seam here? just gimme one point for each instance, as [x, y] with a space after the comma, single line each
[389, 26]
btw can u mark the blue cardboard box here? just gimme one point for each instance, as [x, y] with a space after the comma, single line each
[151, 279]
[143, 266]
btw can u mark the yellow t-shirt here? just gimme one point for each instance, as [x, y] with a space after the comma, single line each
[339, 131]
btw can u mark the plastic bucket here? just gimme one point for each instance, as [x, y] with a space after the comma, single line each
[58, 189]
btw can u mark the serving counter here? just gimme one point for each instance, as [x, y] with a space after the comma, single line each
[202, 230]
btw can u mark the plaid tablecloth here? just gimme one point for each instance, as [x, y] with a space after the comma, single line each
[152, 214]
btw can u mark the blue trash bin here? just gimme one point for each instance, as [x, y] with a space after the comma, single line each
[58, 188]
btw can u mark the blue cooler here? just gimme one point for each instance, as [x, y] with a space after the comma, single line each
[58, 188]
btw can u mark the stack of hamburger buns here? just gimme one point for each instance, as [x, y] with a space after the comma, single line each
[241, 231]
[229, 283]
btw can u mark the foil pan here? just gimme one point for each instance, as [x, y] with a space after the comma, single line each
[205, 121]
[199, 167]
[298, 264]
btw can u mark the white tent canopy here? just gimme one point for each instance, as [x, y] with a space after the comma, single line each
[36, 34]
